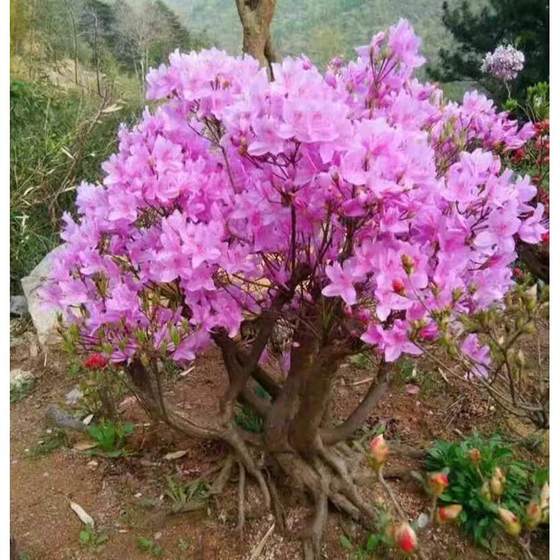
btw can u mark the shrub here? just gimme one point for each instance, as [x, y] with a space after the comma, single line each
[356, 206]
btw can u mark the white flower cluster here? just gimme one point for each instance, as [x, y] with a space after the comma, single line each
[504, 63]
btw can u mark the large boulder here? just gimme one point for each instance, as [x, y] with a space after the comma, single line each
[44, 320]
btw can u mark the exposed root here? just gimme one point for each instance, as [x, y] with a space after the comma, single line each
[223, 477]
[241, 499]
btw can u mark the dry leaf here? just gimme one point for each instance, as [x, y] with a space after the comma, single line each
[84, 516]
[84, 445]
[175, 455]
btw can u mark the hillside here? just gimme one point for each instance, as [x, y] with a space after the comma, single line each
[320, 28]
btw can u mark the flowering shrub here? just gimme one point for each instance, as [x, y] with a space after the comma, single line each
[238, 195]
[504, 63]
[357, 206]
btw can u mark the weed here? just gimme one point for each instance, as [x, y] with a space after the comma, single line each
[110, 437]
[248, 419]
[91, 538]
[51, 442]
[362, 361]
[20, 390]
[186, 497]
[149, 546]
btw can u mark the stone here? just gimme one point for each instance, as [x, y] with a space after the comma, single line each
[44, 320]
[18, 306]
[73, 397]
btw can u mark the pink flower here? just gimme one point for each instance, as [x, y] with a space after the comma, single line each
[479, 354]
[342, 282]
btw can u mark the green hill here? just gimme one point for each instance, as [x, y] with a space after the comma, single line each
[319, 28]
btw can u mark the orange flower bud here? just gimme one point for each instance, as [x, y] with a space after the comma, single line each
[437, 483]
[533, 514]
[378, 451]
[405, 538]
[445, 514]
[510, 522]
[474, 455]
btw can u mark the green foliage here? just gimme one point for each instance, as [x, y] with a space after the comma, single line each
[466, 479]
[90, 538]
[49, 443]
[375, 544]
[186, 497]
[149, 546]
[362, 361]
[479, 27]
[248, 419]
[320, 28]
[111, 437]
[57, 138]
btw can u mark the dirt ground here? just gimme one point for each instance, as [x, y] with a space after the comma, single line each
[126, 496]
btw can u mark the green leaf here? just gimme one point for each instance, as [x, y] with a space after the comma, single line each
[345, 542]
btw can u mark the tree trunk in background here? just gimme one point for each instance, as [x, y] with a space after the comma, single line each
[256, 17]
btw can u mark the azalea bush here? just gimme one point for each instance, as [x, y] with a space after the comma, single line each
[355, 206]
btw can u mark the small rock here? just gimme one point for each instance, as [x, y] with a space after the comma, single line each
[44, 320]
[138, 495]
[157, 536]
[18, 306]
[93, 464]
[73, 397]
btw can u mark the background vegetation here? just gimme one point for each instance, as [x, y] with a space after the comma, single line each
[78, 69]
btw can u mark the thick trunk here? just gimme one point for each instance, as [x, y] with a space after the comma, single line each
[294, 440]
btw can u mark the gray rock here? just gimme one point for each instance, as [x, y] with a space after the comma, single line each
[18, 306]
[73, 397]
[44, 320]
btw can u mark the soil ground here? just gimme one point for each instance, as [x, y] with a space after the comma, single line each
[126, 496]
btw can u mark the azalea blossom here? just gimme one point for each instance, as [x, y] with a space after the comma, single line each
[358, 201]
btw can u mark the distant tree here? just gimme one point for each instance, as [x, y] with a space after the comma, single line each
[523, 23]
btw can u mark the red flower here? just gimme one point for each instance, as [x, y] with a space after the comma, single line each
[398, 286]
[95, 361]
[545, 237]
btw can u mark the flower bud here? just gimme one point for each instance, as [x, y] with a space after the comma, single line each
[398, 286]
[497, 482]
[533, 514]
[510, 522]
[474, 456]
[405, 538]
[446, 514]
[378, 451]
[485, 491]
[520, 359]
[408, 264]
[438, 482]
